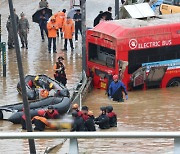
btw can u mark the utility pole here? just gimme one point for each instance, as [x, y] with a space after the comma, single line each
[21, 76]
[83, 26]
[0, 30]
[116, 9]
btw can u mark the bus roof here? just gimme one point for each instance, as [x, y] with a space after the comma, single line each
[114, 27]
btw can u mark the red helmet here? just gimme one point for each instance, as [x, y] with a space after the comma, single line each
[115, 77]
[41, 112]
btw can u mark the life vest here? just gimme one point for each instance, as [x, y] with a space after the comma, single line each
[52, 115]
[112, 119]
[85, 117]
[80, 114]
[44, 93]
[111, 114]
[30, 83]
[24, 117]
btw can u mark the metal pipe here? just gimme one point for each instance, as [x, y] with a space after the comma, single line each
[83, 26]
[21, 76]
[177, 145]
[75, 135]
[116, 9]
[73, 148]
[31, 135]
[0, 30]
[3, 47]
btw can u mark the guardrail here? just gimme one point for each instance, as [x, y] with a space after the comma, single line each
[79, 93]
[73, 136]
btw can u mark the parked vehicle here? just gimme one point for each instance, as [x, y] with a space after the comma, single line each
[122, 47]
[170, 7]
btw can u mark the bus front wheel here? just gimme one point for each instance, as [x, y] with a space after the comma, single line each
[174, 82]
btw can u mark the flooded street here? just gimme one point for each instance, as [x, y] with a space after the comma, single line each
[151, 110]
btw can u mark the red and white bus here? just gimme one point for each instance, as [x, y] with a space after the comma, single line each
[143, 53]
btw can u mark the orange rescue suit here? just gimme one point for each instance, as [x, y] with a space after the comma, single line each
[68, 29]
[60, 18]
[52, 28]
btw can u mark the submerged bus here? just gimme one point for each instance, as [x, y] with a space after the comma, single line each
[144, 54]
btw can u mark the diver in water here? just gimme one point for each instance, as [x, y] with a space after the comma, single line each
[103, 119]
[89, 123]
[112, 116]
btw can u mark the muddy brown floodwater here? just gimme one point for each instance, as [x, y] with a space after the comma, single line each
[151, 110]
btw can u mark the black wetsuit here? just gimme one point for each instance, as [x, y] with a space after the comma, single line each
[89, 124]
[102, 121]
[78, 124]
[112, 119]
[97, 19]
[23, 123]
[39, 125]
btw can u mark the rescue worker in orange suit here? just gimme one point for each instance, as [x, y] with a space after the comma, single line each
[23, 119]
[36, 120]
[115, 90]
[112, 116]
[76, 108]
[59, 69]
[52, 28]
[89, 123]
[41, 122]
[68, 29]
[84, 111]
[102, 120]
[60, 19]
[78, 124]
[51, 113]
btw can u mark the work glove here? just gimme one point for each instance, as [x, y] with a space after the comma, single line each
[109, 97]
[126, 97]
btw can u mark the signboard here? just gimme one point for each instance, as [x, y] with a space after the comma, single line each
[142, 10]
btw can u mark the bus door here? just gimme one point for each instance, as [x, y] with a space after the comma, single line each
[122, 66]
[138, 77]
[148, 77]
[155, 76]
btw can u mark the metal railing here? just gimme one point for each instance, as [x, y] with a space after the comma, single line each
[84, 84]
[73, 136]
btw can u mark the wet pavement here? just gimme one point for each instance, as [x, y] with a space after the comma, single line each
[151, 110]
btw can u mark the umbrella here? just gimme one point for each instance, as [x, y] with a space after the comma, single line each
[38, 13]
[72, 12]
